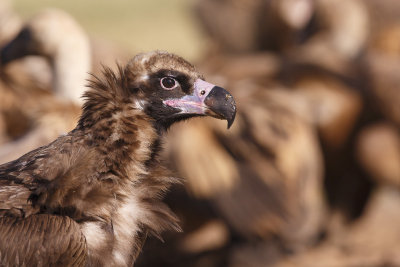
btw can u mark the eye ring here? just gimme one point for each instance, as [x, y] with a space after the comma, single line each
[168, 83]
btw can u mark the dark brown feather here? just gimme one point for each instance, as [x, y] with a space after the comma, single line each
[57, 237]
[103, 180]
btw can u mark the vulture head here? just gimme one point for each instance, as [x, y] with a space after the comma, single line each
[55, 35]
[45, 34]
[168, 89]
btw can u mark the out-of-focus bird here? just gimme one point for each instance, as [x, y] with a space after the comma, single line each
[378, 150]
[30, 70]
[372, 240]
[378, 143]
[243, 27]
[55, 35]
[100, 185]
[45, 113]
[317, 26]
[335, 100]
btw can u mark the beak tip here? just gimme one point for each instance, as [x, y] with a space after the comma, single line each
[231, 120]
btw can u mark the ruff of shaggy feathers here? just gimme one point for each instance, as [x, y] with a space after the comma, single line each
[94, 172]
[111, 94]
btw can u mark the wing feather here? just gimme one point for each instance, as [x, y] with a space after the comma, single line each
[41, 240]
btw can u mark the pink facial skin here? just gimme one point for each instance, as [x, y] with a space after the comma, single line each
[193, 103]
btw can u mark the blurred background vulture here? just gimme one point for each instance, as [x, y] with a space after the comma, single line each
[309, 173]
[48, 100]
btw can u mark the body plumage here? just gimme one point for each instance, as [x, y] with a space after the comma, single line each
[104, 179]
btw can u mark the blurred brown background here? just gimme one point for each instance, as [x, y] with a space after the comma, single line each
[308, 175]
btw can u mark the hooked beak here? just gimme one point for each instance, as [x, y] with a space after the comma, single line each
[207, 99]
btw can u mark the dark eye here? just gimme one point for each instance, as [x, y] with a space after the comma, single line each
[168, 83]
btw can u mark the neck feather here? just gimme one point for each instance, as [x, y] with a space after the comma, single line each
[119, 127]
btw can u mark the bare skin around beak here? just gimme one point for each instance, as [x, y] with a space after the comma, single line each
[207, 99]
